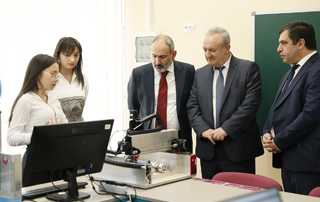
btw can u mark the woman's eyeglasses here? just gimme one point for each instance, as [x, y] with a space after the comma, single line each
[56, 75]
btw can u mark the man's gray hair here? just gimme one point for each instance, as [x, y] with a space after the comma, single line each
[167, 40]
[219, 30]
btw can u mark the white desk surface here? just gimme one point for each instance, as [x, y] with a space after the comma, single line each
[189, 190]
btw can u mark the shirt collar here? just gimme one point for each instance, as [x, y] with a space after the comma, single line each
[227, 63]
[74, 76]
[170, 68]
[305, 59]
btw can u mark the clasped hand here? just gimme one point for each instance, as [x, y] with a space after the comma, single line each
[268, 143]
[215, 135]
[52, 121]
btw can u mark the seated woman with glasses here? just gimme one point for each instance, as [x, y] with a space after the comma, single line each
[72, 89]
[33, 106]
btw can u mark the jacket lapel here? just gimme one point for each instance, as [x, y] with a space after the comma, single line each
[179, 84]
[148, 82]
[208, 78]
[230, 77]
[296, 79]
[283, 81]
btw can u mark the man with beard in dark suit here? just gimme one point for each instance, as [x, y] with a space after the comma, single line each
[144, 89]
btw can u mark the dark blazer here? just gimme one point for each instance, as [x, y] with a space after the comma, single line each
[241, 100]
[296, 120]
[141, 95]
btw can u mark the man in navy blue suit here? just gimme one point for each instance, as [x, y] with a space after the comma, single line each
[144, 86]
[292, 128]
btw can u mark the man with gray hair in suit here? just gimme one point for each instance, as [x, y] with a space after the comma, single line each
[224, 99]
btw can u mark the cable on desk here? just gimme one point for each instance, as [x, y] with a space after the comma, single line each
[57, 187]
[92, 180]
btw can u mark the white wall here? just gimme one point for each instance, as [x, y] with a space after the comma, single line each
[31, 27]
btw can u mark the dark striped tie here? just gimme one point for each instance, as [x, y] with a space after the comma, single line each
[219, 95]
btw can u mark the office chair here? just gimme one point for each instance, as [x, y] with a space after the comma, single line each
[315, 192]
[247, 179]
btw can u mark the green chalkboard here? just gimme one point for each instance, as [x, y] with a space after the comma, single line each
[266, 40]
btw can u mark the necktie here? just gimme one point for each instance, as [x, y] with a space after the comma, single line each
[219, 95]
[162, 99]
[290, 76]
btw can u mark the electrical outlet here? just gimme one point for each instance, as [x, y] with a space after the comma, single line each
[189, 27]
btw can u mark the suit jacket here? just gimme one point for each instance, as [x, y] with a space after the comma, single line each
[141, 95]
[241, 100]
[296, 120]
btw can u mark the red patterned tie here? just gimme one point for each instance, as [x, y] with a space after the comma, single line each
[162, 99]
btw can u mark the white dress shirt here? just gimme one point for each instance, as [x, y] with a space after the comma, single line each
[301, 63]
[30, 111]
[172, 117]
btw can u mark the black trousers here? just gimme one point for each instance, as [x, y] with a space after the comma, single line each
[221, 163]
[299, 182]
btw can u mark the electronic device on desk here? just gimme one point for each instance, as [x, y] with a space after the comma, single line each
[148, 158]
[10, 177]
[65, 151]
[170, 142]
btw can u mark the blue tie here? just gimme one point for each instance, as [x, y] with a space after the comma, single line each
[290, 76]
[219, 95]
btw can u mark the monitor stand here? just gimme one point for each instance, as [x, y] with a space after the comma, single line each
[72, 194]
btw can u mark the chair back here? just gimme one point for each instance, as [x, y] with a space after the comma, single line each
[247, 179]
[315, 192]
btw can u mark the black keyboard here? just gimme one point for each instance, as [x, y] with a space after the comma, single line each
[39, 192]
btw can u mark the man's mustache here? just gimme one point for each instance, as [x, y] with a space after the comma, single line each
[159, 65]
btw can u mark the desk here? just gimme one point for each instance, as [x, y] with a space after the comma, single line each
[189, 190]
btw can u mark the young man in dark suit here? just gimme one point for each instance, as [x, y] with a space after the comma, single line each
[292, 128]
[224, 99]
[145, 84]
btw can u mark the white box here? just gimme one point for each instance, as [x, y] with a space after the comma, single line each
[10, 177]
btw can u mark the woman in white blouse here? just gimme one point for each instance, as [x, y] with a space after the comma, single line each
[33, 106]
[72, 89]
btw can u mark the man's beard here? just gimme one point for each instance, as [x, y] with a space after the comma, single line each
[162, 68]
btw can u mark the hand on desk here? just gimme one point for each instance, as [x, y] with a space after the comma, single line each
[214, 135]
[268, 143]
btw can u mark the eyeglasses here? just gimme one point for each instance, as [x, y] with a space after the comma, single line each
[56, 75]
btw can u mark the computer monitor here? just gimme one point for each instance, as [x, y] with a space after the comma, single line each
[64, 151]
